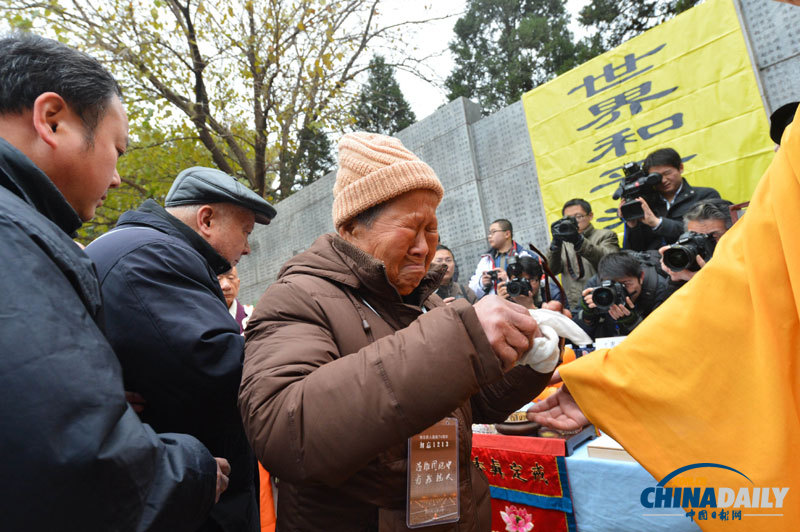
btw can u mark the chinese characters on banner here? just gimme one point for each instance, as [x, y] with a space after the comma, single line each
[686, 84]
[527, 488]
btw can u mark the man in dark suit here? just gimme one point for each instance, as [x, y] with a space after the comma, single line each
[677, 198]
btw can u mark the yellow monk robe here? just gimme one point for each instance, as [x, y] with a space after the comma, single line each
[712, 376]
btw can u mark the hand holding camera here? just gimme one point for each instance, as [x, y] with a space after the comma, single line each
[638, 192]
[565, 230]
[493, 276]
[684, 254]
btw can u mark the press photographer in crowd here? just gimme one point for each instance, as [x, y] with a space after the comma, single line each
[661, 220]
[620, 296]
[705, 223]
[577, 248]
[524, 282]
[450, 289]
[491, 268]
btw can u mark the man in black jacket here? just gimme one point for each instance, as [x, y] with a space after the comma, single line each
[167, 319]
[643, 290]
[677, 197]
[76, 457]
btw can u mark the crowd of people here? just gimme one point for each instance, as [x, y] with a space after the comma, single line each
[140, 394]
[635, 276]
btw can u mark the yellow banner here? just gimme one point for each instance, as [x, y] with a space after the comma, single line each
[687, 84]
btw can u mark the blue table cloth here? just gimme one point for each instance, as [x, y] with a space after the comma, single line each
[606, 497]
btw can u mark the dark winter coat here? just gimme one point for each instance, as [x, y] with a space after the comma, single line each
[179, 347]
[340, 371]
[75, 455]
[643, 237]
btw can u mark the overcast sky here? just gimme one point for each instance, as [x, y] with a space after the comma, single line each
[431, 41]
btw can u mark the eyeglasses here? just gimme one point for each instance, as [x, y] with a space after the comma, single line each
[493, 231]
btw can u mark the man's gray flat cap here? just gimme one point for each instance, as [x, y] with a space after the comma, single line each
[200, 185]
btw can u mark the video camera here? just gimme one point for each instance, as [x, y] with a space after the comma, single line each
[609, 293]
[517, 284]
[681, 255]
[637, 184]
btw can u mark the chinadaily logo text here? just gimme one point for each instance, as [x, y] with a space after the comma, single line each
[690, 493]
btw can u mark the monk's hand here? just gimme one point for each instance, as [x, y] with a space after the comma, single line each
[559, 411]
[508, 326]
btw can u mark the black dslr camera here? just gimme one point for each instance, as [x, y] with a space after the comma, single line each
[681, 255]
[637, 184]
[565, 229]
[517, 285]
[609, 293]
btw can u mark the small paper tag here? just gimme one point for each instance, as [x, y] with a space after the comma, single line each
[433, 475]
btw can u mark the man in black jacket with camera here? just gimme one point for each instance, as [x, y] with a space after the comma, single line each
[620, 296]
[677, 197]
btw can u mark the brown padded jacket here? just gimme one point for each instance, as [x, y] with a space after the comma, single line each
[340, 371]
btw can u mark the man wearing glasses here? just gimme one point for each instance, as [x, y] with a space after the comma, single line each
[576, 249]
[491, 269]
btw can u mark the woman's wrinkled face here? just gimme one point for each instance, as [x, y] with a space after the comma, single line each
[445, 257]
[403, 235]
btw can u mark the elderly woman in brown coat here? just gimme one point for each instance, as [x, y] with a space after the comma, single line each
[350, 353]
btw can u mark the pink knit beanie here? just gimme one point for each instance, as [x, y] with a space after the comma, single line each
[373, 169]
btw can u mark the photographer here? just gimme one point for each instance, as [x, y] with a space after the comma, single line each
[632, 293]
[523, 288]
[491, 268]
[449, 289]
[662, 223]
[711, 218]
[577, 248]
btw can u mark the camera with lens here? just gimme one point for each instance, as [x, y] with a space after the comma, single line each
[517, 284]
[649, 258]
[609, 293]
[637, 184]
[565, 229]
[681, 255]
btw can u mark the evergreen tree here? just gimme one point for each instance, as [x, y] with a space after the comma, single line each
[381, 107]
[317, 160]
[616, 21]
[504, 48]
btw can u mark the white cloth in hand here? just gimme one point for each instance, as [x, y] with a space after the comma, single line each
[543, 355]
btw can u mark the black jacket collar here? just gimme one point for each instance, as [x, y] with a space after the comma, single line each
[153, 215]
[685, 193]
[19, 175]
